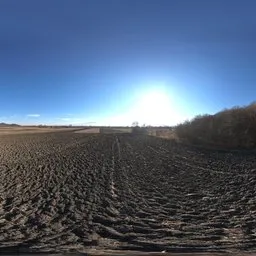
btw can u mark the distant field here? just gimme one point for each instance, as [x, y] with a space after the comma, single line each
[115, 130]
[166, 133]
[104, 130]
[25, 130]
[153, 131]
[89, 130]
[123, 129]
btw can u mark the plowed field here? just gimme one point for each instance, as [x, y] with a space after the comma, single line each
[62, 191]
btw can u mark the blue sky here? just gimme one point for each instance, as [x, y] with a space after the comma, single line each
[82, 61]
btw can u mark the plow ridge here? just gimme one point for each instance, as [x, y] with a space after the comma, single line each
[122, 192]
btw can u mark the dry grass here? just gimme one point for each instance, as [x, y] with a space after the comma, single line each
[166, 133]
[89, 130]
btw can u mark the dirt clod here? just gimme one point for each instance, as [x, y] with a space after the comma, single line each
[122, 191]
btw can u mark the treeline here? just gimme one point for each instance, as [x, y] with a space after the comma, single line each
[230, 128]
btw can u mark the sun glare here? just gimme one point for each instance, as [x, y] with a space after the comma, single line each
[151, 107]
[154, 108]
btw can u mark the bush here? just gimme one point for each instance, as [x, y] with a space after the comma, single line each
[229, 128]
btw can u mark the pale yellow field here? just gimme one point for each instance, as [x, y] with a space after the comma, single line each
[162, 132]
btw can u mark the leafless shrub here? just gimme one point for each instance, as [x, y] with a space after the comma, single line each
[233, 128]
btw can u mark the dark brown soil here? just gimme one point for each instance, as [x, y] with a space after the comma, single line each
[69, 191]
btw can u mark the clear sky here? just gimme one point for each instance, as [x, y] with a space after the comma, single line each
[115, 62]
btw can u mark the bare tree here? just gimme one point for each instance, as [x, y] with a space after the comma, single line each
[135, 124]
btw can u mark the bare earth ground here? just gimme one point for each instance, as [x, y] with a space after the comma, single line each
[69, 191]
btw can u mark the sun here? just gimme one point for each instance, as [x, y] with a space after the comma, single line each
[154, 108]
